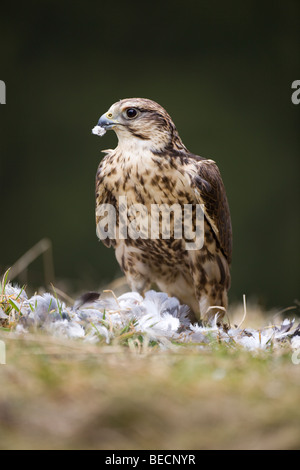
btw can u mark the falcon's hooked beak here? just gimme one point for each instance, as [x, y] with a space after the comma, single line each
[107, 122]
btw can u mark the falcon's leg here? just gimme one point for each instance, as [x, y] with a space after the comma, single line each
[182, 288]
[211, 277]
[213, 307]
[136, 272]
[138, 284]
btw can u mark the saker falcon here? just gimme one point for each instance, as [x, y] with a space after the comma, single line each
[151, 165]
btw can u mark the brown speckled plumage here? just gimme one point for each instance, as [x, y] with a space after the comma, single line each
[151, 165]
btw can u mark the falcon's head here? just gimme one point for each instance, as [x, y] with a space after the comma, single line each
[144, 120]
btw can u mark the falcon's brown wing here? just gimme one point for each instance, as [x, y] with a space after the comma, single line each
[209, 186]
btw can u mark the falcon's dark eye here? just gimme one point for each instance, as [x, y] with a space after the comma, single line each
[131, 113]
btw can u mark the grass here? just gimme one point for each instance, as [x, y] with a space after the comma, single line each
[131, 394]
[71, 395]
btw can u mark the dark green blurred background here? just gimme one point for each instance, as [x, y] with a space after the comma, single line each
[223, 70]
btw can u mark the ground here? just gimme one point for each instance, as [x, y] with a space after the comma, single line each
[68, 394]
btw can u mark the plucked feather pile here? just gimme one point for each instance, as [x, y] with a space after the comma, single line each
[156, 317]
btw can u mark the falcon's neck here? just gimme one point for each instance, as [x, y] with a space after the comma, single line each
[141, 148]
[135, 146]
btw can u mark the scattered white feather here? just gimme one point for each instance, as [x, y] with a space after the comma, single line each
[15, 291]
[65, 328]
[295, 341]
[255, 339]
[156, 316]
